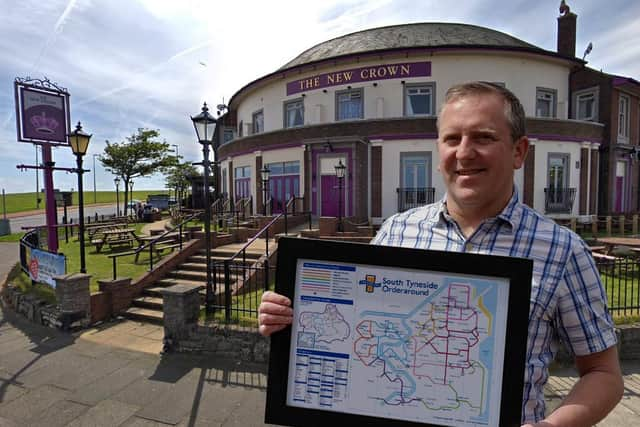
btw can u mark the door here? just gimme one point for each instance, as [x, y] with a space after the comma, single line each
[333, 192]
[415, 179]
[620, 186]
[558, 182]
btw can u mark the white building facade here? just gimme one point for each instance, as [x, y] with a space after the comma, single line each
[370, 99]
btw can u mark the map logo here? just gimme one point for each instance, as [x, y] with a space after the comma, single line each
[369, 283]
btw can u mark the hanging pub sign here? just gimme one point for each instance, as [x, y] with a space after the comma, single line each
[42, 111]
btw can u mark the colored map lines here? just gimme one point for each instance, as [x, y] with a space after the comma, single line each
[434, 346]
[315, 280]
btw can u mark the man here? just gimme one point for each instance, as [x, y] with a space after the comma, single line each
[481, 142]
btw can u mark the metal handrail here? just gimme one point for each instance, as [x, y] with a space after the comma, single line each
[152, 242]
[227, 265]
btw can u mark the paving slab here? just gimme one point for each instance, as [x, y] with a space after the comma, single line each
[107, 413]
[10, 391]
[59, 415]
[105, 387]
[141, 422]
[29, 405]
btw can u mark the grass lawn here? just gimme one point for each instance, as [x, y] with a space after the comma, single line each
[21, 202]
[98, 265]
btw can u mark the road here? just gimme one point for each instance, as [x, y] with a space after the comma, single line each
[31, 220]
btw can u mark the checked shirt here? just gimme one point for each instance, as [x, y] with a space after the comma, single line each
[567, 300]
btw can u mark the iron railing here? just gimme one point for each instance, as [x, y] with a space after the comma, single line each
[559, 200]
[621, 279]
[242, 279]
[409, 198]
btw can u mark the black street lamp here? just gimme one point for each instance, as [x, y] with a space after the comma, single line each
[117, 182]
[205, 126]
[79, 142]
[340, 170]
[264, 175]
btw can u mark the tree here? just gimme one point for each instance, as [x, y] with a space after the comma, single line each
[141, 155]
[178, 178]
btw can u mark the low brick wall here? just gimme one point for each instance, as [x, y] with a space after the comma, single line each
[233, 342]
[38, 311]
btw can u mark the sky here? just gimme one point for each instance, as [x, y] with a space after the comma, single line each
[132, 64]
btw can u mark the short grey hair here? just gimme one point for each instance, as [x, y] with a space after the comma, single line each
[513, 110]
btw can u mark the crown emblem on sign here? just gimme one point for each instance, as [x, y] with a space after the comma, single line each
[44, 124]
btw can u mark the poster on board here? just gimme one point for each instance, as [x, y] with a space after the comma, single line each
[397, 336]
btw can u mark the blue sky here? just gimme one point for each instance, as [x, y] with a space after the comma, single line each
[151, 63]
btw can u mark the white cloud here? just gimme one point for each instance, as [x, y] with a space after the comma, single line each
[137, 63]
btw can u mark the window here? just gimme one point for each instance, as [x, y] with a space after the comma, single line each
[349, 104]
[243, 172]
[586, 105]
[293, 113]
[258, 122]
[419, 100]
[240, 129]
[227, 135]
[623, 116]
[545, 103]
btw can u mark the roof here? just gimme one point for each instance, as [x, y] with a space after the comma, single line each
[409, 36]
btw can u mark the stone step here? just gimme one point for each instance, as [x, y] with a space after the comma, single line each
[150, 302]
[144, 315]
[227, 251]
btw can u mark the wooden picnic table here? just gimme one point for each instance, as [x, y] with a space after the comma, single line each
[115, 237]
[612, 242]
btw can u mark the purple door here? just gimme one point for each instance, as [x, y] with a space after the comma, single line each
[242, 188]
[329, 196]
[282, 188]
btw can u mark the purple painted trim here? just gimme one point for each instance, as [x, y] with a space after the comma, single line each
[620, 80]
[361, 74]
[405, 136]
[564, 138]
[299, 69]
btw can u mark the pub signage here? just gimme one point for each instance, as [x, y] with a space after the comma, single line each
[362, 74]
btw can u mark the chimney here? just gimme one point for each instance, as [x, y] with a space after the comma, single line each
[567, 31]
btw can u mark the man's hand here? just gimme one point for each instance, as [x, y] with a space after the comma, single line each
[274, 313]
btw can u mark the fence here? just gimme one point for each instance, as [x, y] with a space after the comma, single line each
[621, 280]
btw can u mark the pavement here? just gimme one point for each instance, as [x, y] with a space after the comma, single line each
[114, 375]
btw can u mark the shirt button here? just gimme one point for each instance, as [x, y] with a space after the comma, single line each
[468, 247]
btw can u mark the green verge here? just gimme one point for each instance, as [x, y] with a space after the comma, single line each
[23, 202]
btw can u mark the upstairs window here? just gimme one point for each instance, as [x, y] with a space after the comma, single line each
[419, 100]
[227, 135]
[546, 103]
[293, 113]
[257, 122]
[586, 105]
[623, 116]
[349, 104]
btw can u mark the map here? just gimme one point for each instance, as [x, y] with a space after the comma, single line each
[411, 345]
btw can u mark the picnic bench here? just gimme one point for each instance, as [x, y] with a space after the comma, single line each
[114, 238]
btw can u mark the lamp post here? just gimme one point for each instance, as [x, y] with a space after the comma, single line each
[95, 199]
[79, 141]
[116, 181]
[205, 126]
[340, 170]
[264, 175]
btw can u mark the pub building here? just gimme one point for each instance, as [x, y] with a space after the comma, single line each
[369, 100]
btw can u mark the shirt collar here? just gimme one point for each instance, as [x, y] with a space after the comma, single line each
[510, 214]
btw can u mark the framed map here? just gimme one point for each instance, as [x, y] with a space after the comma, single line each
[389, 336]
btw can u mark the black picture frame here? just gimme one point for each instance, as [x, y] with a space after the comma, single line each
[517, 271]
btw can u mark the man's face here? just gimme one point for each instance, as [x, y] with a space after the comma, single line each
[477, 155]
